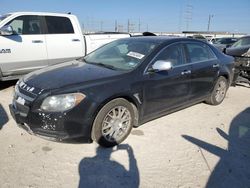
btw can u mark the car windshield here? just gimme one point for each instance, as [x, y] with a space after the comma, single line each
[124, 54]
[242, 42]
[4, 16]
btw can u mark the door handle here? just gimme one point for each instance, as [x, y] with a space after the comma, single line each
[215, 65]
[76, 40]
[186, 72]
[37, 41]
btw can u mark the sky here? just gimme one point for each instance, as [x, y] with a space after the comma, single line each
[146, 15]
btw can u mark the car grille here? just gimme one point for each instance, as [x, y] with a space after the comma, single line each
[28, 97]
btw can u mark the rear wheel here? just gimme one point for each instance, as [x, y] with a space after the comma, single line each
[113, 123]
[219, 92]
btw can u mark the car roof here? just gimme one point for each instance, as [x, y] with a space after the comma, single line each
[246, 36]
[162, 39]
[41, 14]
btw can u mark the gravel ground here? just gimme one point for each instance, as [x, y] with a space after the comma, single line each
[201, 146]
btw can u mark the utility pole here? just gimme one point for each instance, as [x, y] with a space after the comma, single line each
[128, 26]
[101, 25]
[209, 21]
[139, 25]
[116, 28]
[188, 15]
[83, 27]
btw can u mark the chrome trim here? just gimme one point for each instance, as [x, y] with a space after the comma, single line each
[185, 60]
[18, 93]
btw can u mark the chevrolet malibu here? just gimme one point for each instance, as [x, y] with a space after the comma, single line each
[121, 85]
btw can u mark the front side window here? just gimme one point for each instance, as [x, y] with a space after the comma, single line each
[172, 54]
[199, 52]
[26, 25]
[58, 25]
[123, 54]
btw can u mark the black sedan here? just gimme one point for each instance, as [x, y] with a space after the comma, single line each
[119, 86]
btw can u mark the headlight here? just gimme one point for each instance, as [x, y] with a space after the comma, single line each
[58, 103]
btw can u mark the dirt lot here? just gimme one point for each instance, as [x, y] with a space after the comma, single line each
[201, 146]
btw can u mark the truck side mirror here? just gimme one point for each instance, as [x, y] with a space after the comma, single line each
[6, 30]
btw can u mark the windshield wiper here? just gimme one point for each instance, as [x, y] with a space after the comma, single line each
[106, 66]
[101, 64]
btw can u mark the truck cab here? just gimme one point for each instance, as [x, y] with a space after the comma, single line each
[30, 41]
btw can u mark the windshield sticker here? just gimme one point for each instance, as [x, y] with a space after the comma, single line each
[135, 55]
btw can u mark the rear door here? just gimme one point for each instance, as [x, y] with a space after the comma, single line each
[166, 90]
[27, 49]
[64, 41]
[205, 69]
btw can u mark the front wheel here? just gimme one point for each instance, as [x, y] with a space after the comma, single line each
[219, 92]
[113, 123]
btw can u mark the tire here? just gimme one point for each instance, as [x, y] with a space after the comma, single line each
[219, 92]
[113, 123]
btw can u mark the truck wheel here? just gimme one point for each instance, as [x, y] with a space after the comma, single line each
[113, 123]
[219, 92]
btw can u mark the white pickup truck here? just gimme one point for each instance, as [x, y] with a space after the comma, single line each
[32, 40]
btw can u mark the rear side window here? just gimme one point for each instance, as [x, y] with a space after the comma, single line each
[199, 52]
[26, 25]
[58, 25]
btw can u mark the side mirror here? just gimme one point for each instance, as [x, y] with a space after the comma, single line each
[162, 65]
[6, 30]
[225, 50]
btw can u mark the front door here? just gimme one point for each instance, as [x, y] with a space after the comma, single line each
[166, 90]
[26, 47]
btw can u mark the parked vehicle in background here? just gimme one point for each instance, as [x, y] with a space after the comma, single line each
[198, 37]
[212, 40]
[32, 40]
[120, 85]
[241, 51]
[224, 42]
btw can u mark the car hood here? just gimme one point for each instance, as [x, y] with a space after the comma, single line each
[69, 73]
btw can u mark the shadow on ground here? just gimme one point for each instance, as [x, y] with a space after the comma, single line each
[233, 169]
[102, 171]
[6, 84]
[3, 117]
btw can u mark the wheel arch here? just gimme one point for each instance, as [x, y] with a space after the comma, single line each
[1, 74]
[226, 76]
[132, 100]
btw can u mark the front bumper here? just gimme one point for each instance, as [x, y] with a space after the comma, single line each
[57, 126]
